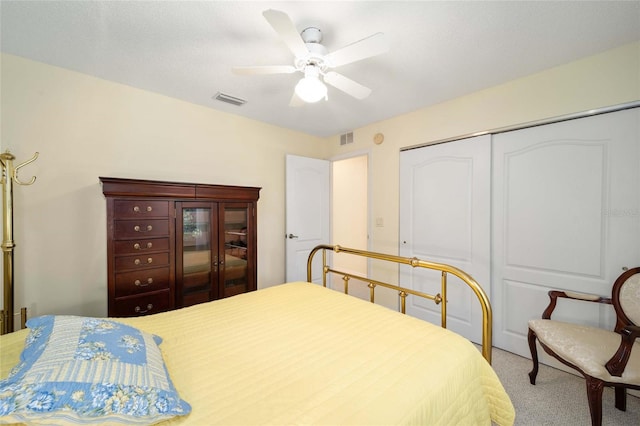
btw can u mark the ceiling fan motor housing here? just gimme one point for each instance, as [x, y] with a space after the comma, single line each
[311, 35]
[315, 57]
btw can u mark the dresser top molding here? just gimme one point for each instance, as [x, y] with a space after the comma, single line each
[122, 187]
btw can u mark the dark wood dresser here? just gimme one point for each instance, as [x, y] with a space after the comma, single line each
[171, 244]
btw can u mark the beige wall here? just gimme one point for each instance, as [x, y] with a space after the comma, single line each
[84, 127]
[349, 218]
[610, 78]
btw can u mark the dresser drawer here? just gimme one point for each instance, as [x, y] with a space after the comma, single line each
[141, 261]
[130, 283]
[145, 304]
[140, 246]
[130, 209]
[143, 228]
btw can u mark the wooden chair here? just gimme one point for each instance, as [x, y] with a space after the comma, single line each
[603, 357]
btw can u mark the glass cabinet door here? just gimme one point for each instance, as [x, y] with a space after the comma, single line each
[215, 251]
[237, 249]
[198, 254]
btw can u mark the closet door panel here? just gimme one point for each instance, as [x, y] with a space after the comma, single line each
[556, 191]
[445, 218]
[553, 198]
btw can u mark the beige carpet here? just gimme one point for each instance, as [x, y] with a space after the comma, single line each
[558, 398]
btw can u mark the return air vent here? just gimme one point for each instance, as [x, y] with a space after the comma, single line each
[346, 138]
[229, 99]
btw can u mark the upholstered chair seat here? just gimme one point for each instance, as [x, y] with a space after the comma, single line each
[588, 348]
[603, 357]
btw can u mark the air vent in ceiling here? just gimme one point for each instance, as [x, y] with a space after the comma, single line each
[346, 138]
[229, 99]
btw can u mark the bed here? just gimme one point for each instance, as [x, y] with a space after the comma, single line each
[301, 353]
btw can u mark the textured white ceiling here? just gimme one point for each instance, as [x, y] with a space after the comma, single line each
[439, 50]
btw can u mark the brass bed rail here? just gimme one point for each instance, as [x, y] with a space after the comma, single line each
[487, 316]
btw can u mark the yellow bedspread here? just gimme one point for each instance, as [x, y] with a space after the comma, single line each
[302, 354]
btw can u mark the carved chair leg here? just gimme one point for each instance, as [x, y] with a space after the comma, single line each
[534, 357]
[621, 398]
[594, 396]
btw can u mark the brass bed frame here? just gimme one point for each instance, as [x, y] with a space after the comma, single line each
[487, 316]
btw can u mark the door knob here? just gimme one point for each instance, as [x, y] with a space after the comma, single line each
[291, 236]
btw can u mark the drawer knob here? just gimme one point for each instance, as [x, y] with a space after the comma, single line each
[139, 310]
[137, 209]
[137, 261]
[136, 246]
[149, 259]
[140, 284]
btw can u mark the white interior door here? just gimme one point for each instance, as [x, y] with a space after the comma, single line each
[307, 212]
[445, 218]
[565, 216]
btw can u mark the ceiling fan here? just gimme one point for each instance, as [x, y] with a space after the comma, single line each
[315, 61]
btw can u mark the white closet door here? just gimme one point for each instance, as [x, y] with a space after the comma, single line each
[565, 216]
[445, 217]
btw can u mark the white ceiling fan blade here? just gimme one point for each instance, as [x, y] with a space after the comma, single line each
[266, 69]
[295, 100]
[283, 25]
[365, 48]
[347, 85]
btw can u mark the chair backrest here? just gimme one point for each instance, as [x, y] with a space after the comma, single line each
[626, 298]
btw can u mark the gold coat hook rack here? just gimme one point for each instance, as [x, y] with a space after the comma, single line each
[10, 176]
[14, 174]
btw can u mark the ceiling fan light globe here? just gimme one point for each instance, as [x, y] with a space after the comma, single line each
[311, 89]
